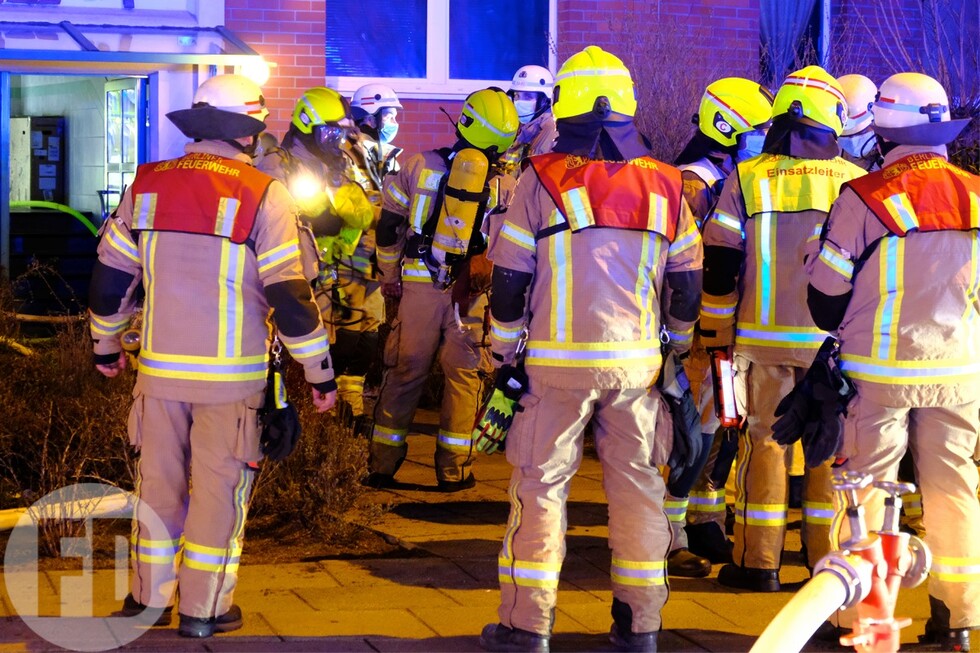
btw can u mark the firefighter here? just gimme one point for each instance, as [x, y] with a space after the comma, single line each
[733, 117]
[857, 141]
[315, 163]
[376, 112]
[429, 246]
[768, 218]
[597, 256]
[214, 245]
[375, 109]
[531, 91]
[897, 275]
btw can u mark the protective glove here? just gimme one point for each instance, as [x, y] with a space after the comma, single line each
[497, 414]
[687, 441]
[813, 410]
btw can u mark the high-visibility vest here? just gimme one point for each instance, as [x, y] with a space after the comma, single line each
[641, 194]
[923, 192]
[784, 184]
[174, 196]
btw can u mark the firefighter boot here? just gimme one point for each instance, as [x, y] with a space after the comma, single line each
[684, 564]
[938, 635]
[621, 634]
[131, 608]
[498, 637]
[708, 541]
[747, 578]
[199, 627]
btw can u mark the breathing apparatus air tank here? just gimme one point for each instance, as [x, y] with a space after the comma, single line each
[462, 210]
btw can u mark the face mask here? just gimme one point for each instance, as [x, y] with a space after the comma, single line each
[525, 110]
[858, 145]
[387, 132]
[750, 145]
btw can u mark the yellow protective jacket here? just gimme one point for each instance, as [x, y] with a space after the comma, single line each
[215, 245]
[611, 247]
[770, 215]
[903, 245]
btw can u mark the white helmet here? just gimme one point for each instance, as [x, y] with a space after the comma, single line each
[371, 98]
[860, 92]
[533, 78]
[913, 109]
[225, 107]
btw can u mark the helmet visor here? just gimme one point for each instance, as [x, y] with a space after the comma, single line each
[329, 137]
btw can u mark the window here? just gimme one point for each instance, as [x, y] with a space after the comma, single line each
[436, 48]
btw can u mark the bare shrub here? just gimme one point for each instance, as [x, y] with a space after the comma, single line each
[936, 37]
[63, 423]
[318, 485]
[670, 74]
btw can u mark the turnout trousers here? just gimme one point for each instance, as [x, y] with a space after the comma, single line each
[762, 477]
[427, 320]
[943, 441]
[544, 447]
[196, 469]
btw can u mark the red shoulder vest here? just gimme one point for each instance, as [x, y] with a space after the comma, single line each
[921, 192]
[641, 194]
[199, 193]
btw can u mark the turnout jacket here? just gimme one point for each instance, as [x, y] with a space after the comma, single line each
[766, 223]
[410, 198]
[214, 244]
[702, 185]
[899, 272]
[610, 253]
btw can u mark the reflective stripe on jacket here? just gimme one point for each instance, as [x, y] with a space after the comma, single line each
[770, 210]
[225, 206]
[205, 335]
[598, 294]
[905, 242]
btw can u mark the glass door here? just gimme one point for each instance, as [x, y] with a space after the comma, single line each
[126, 132]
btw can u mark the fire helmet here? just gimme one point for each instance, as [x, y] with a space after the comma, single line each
[859, 92]
[588, 76]
[731, 106]
[488, 120]
[225, 107]
[371, 98]
[913, 109]
[811, 95]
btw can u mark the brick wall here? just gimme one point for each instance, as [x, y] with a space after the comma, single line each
[705, 30]
[290, 34]
[668, 44]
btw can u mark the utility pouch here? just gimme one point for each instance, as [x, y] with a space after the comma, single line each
[278, 419]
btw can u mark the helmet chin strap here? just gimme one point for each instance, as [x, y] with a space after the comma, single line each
[245, 149]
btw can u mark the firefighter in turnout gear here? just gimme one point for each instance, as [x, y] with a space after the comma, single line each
[767, 220]
[596, 254]
[733, 117]
[214, 244]
[376, 112]
[531, 91]
[315, 163]
[897, 276]
[432, 260]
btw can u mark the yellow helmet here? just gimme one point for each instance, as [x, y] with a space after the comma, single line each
[488, 120]
[589, 75]
[733, 106]
[318, 106]
[813, 95]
